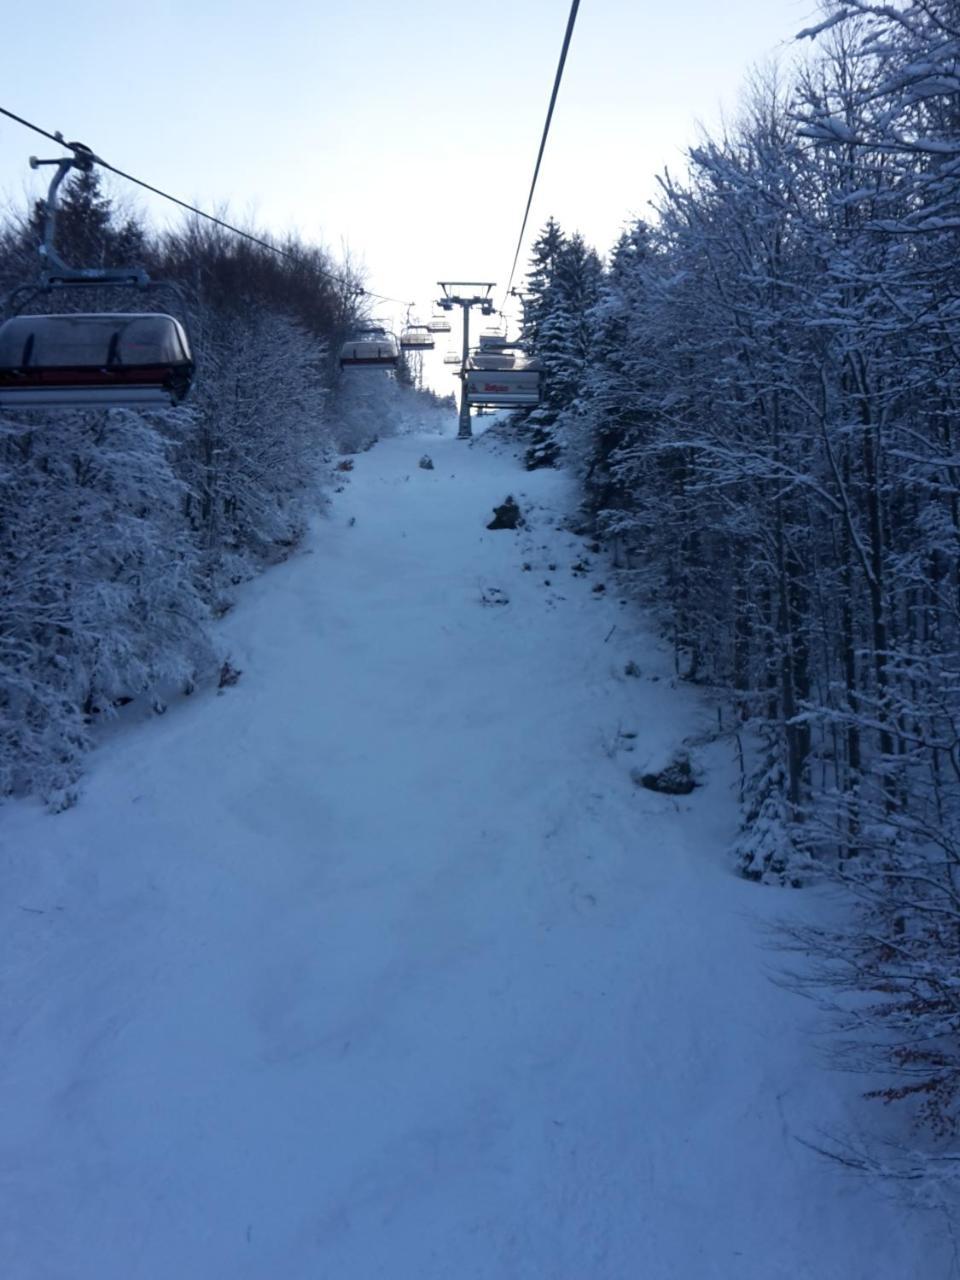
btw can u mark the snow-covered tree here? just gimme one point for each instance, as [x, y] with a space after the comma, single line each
[120, 531]
[563, 284]
[100, 600]
[766, 427]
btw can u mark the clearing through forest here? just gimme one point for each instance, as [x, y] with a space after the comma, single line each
[380, 965]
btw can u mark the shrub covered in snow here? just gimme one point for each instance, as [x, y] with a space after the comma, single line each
[121, 532]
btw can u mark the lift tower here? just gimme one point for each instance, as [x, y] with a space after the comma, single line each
[465, 294]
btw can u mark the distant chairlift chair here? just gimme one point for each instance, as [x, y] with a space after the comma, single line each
[372, 348]
[417, 337]
[505, 385]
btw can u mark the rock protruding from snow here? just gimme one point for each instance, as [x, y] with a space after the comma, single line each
[229, 675]
[676, 779]
[425, 463]
[494, 595]
[508, 515]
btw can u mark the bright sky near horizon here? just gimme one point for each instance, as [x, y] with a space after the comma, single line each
[405, 134]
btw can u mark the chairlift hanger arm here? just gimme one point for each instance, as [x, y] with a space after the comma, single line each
[51, 205]
[57, 272]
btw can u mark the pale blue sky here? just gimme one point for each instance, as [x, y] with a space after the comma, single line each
[407, 132]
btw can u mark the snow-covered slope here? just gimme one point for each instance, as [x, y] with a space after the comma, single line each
[379, 965]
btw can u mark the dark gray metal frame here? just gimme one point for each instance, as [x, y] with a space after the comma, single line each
[58, 274]
[452, 297]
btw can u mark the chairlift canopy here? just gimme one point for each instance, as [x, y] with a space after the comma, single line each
[417, 337]
[371, 348]
[104, 360]
[493, 358]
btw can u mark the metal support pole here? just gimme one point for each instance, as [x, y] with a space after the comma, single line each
[465, 295]
[51, 207]
[56, 272]
[465, 432]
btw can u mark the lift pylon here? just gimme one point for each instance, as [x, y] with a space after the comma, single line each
[465, 295]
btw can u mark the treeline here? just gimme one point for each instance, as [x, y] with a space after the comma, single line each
[763, 402]
[123, 533]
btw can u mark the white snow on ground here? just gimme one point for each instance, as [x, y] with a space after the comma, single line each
[379, 965]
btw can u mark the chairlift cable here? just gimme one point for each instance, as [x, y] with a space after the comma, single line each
[246, 235]
[54, 137]
[575, 5]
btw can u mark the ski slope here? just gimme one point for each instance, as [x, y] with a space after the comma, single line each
[379, 965]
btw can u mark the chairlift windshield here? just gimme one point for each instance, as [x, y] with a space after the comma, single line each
[370, 348]
[494, 340]
[93, 360]
[493, 358]
[417, 337]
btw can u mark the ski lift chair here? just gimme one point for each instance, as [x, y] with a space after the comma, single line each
[81, 361]
[417, 337]
[370, 349]
[514, 388]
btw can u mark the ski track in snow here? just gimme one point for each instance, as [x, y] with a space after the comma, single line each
[379, 965]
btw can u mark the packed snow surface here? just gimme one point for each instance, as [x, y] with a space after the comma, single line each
[380, 965]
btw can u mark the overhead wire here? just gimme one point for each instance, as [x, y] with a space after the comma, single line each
[574, 7]
[200, 213]
[54, 137]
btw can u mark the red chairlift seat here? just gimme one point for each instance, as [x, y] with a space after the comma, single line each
[80, 361]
